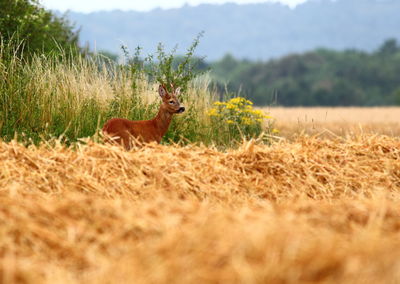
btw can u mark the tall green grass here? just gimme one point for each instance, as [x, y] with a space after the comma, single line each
[71, 97]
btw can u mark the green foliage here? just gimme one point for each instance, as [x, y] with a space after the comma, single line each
[174, 71]
[237, 118]
[396, 96]
[108, 55]
[389, 47]
[39, 30]
[169, 71]
[322, 77]
[51, 96]
[166, 68]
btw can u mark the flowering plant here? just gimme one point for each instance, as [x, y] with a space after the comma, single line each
[239, 117]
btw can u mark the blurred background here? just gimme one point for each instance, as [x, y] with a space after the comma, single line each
[289, 53]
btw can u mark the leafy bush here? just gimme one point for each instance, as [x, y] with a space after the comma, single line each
[237, 118]
[165, 68]
[39, 30]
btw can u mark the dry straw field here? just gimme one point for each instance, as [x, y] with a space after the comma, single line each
[340, 121]
[320, 204]
[306, 211]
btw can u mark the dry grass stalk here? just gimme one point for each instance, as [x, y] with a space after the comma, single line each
[308, 211]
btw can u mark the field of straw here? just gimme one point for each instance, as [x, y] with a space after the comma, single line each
[339, 121]
[305, 211]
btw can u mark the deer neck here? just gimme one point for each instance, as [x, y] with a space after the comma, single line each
[162, 120]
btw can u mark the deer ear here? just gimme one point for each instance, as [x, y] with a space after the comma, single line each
[162, 91]
[178, 91]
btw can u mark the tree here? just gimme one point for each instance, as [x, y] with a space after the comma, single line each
[320, 77]
[40, 30]
[397, 97]
[389, 47]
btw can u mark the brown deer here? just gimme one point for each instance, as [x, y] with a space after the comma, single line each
[125, 132]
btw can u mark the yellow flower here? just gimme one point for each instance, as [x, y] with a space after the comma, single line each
[219, 103]
[247, 121]
[235, 100]
[213, 112]
[230, 106]
[258, 113]
[275, 130]
[238, 109]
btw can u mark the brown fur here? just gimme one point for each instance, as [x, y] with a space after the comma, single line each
[124, 132]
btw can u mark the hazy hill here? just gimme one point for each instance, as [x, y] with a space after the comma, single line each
[254, 31]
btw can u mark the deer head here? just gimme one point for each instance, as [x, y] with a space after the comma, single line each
[170, 101]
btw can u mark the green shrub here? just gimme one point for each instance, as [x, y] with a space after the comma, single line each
[237, 119]
[170, 71]
[40, 31]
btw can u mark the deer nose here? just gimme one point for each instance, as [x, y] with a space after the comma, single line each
[181, 109]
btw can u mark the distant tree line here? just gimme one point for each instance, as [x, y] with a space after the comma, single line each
[319, 78]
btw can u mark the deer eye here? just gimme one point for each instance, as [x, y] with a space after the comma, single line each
[171, 102]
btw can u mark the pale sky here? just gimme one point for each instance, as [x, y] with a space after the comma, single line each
[146, 5]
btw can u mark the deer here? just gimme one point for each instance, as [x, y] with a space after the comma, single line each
[127, 132]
